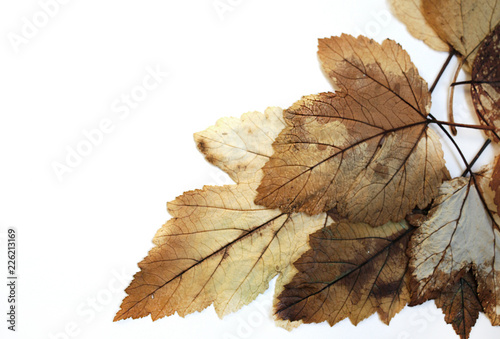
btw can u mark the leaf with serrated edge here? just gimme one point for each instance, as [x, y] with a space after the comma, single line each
[459, 233]
[485, 86]
[410, 13]
[364, 150]
[240, 147]
[220, 248]
[462, 23]
[351, 271]
[460, 304]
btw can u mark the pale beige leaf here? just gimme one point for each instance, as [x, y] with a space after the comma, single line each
[410, 13]
[240, 147]
[364, 150]
[219, 248]
[462, 23]
[460, 233]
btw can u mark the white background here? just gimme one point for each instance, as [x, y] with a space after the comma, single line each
[82, 232]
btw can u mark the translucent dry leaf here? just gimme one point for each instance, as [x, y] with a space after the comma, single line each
[460, 304]
[365, 150]
[485, 87]
[351, 271]
[219, 247]
[410, 13]
[459, 234]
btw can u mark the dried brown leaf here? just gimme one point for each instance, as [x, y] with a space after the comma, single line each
[410, 13]
[364, 150]
[460, 304]
[463, 24]
[220, 248]
[485, 86]
[351, 271]
[460, 233]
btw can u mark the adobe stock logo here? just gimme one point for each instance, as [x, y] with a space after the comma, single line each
[94, 137]
[32, 25]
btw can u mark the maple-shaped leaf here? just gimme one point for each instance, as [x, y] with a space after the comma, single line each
[460, 233]
[351, 271]
[219, 247]
[411, 13]
[366, 149]
[485, 84]
[460, 304]
[462, 24]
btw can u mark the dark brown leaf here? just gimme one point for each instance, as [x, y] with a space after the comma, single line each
[351, 271]
[460, 304]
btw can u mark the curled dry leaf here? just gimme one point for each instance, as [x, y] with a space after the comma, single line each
[219, 248]
[485, 84]
[460, 304]
[365, 150]
[351, 271]
[460, 233]
[411, 13]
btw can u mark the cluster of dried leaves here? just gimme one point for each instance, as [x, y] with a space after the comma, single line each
[344, 195]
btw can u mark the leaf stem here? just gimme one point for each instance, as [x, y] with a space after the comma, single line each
[478, 154]
[452, 53]
[452, 93]
[472, 82]
[455, 124]
[445, 131]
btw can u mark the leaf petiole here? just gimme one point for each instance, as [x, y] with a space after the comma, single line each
[451, 95]
[455, 124]
[478, 154]
[472, 82]
[450, 137]
[441, 71]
